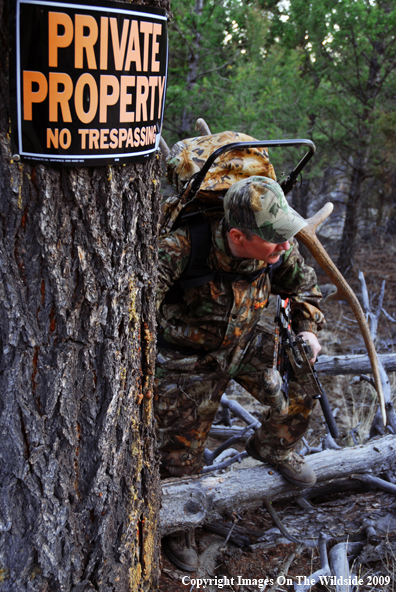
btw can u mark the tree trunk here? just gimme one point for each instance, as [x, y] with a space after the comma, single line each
[193, 63]
[361, 158]
[348, 240]
[79, 488]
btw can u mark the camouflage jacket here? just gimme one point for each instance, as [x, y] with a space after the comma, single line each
[219, 316]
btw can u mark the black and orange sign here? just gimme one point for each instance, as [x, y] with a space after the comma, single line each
[90, 81]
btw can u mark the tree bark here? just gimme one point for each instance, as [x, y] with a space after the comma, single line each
[79, 486]
[187, 503]
[349, 234]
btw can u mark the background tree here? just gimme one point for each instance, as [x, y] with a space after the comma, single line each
[79, 484]
[323, 70]
[200, 62]
[350, 56]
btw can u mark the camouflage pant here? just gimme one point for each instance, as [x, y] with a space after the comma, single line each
[187, 394]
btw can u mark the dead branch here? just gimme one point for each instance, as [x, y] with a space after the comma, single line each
[377, 427]
[376, 482]
[238, 457]
[365, 295]
[323, 572]
[239, 535]
[240, 412]
[385, 402]
[278, 522]
[220, 431]
[378, 424]
[284, 569]
[189, 502]
[387, 315]
[349, 364]
[379, 309]
[328, 443]
[374, 317]
[210, 456]
[339, 565]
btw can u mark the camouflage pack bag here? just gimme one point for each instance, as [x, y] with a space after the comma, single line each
[187, 158]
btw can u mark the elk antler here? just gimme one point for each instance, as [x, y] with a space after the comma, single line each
[202, 127]
[308, 237]
[164, 149]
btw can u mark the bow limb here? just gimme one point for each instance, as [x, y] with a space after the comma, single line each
[308, 237]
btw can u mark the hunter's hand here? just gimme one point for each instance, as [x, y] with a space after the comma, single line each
[313, 342]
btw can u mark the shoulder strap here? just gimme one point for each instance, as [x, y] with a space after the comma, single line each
[198, 273]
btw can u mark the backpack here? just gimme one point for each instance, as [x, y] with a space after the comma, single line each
[186, 159]
[185, 162]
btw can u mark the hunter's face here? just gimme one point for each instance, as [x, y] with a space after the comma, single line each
[255, 248]
[258, 248]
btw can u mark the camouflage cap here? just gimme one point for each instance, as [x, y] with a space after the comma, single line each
[259, 204]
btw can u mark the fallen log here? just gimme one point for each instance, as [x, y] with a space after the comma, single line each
[189, 502]
[349, 364]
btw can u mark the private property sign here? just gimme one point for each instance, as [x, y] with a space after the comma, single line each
[89, 81]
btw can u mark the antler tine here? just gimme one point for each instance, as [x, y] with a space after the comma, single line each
[202, 127]
[308, 237]
[320, 216]
[164, 149]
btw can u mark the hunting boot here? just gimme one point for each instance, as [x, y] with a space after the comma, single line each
[179, 549]
[293, 468]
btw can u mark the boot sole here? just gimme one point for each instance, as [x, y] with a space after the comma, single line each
[177, 562]
[251, 451]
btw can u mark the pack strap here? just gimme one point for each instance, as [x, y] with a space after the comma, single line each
[198, 273]
[225, 276]
[201, 242]
[162, 343]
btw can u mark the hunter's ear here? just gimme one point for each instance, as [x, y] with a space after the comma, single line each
[236, 236]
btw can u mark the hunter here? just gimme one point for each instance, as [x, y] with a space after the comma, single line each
[210, 333]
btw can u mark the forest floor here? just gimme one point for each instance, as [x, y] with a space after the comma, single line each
[248, 567]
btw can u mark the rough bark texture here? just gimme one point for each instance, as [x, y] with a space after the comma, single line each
[187, 503]
[78, 476]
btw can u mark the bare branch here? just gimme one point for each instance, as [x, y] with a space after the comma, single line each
[239, 411]
[339, 564]
[375, 317]
[365, 296]
[223, 465]
[278, 522]
[284, 568]
[387, 315]
[209, 456]
[324, 571]
[376, 482]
